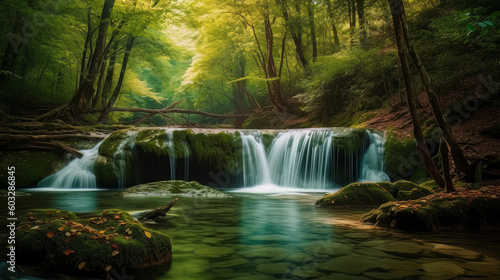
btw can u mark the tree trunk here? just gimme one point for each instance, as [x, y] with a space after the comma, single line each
[422, 149]
[83, 72]
[116, 92]
[360, 4]
[80, 102]
[310, 13]
[294, 31]
[98, 100]
[108, 81]
[456, 152]
[161, 211]
[274, 86]
[443, 149]
[334, 28]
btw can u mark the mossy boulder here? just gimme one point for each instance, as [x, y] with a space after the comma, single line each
[351, 140]
[31, 166]
[470, 208]
[358, 194]
[173, 188]
[56, 240]
[372, 194]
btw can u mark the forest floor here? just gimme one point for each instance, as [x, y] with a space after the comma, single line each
[474, 116]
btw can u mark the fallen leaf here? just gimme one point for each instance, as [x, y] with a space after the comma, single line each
[119, 213]
[68, 234]
[115, 246]
[60, 228]
[147, 234]
[81, 265]
[48, 213]
[108, 268]
[127, 237]
[50, 234]
[117, 217]
[115, 252]
[101, 231]
[35, 227]
[68, 251]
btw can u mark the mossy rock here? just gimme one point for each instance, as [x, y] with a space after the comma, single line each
[219, 151]
[474, 208]
[31, 166]
[373, 194]
[408, 190]
[110, 145]
[351, 140]
[358, 195]
[173, 188]
[402, 160]
[58, 241]
[432, 185]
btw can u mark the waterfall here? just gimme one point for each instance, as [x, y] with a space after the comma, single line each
[77, 174]
[302, 159]
[255, 167]
[171, 154]
[373, 160]
[309, 159]
[123, 155]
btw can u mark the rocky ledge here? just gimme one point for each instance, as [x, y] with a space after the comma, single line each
[173, 188]
[58, 241]
[469, 208]
[373, 194]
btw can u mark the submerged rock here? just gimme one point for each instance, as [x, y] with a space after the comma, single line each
[373, 194]
[55, 240]
[173, 188]
[472, 208]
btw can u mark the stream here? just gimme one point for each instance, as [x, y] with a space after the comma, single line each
[283, 236]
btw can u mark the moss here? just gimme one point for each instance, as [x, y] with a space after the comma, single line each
[432, 185]
[469, 208]
[31, 166]
[111, 143]
[217, 150]
[55, 240]
[358, 194]
[173, 188]
[351, 141]
[409, 190]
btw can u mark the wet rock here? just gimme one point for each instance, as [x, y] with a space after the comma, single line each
[173, 188]
[456, 252]
[59, 241]
[395, 274]
[349, 265]
[214, 252]
[443, 270]
[401, 248]
[358, 235]
[340, 276]
[299, 258]
[275, 253]
[230, 263]
[256, 277]
[276, 269]
[326, 248]
[304, 273]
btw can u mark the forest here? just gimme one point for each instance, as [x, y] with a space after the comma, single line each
[286, 139]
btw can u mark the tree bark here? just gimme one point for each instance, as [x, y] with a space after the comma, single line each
[443, 149]
[274, 86]
[422, 149]
[80, 102]
[310, 13]
[456, 152]
[297, 41]
[85, 47]
[116, 92]
[360, 6]
[161, 211]
[329, 8]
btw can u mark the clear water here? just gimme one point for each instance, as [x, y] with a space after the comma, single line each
[258, 236]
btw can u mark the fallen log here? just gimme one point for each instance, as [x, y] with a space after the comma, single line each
[161, 211]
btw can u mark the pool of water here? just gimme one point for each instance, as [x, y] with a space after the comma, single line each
[269, 236]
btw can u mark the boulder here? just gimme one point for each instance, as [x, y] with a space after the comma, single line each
[471, 208]
[173, 188]
[58, 241]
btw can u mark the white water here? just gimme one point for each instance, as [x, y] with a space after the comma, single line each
[303, 160]
[373, 160]
[78, 174]
[120, 158]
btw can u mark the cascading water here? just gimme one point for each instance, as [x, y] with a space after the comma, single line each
[302, 159]
[122, 156]
[309, 159]
[255, 167]
[373, 160]
[78, 174]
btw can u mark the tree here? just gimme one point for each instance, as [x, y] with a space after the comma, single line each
[405, 49]
[295, 30]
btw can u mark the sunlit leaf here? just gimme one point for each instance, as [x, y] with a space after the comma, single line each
[81, 265]
[148, 235]
[60, 228]
[115, 252]
[50, 234]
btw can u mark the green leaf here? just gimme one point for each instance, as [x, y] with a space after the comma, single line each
[494, 15]
[489, 23]
[482, 24]
[470, 27]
